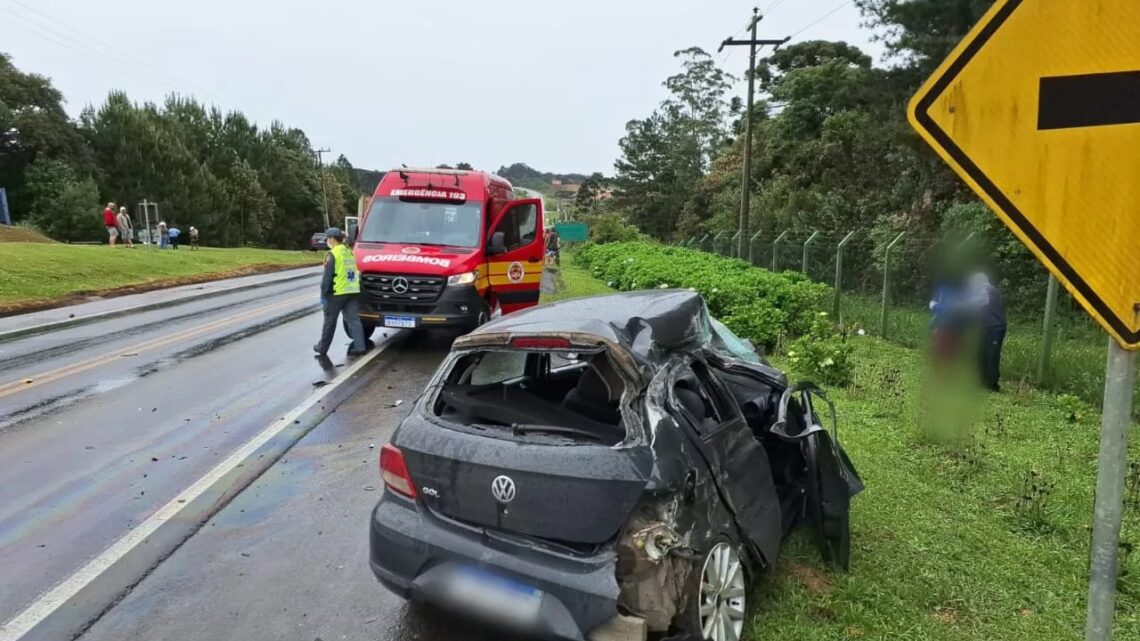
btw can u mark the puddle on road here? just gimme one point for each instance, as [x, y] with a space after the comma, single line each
[278, 484]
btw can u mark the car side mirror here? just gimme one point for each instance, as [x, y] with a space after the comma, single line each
[498, 244]
[352, 229]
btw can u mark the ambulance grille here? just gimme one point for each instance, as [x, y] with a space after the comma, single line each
[401, 288]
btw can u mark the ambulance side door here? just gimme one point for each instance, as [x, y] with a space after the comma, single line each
[515, 253]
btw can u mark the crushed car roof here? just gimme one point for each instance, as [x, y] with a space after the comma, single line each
[647, 323]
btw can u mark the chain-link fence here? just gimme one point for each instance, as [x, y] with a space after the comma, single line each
[883, 285]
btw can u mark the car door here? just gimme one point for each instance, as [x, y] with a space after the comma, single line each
[515, 271]
[832, 480]
[737, 461]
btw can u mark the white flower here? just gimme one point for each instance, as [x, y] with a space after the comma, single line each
[715, 290]
[861, 332]
[827, 362]
[663, 286]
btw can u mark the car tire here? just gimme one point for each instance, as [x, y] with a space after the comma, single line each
[481, 319]
[716, 606]
[369, 328]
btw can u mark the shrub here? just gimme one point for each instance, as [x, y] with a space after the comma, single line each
[757, 304]
[823, 354]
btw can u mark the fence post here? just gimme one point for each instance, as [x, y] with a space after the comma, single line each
[776, 251]
[839, 275]
[716, 243]
[887, 283]
[732, 245]
[751, 246]
[701, 242]
[1047, 333]
[807, 244]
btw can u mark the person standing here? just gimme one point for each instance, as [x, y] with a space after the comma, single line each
[340, 295]
[193, 238]
[174, 234]
[987, 303]
[163, 235]
[111, 222]
[946, 323]
[553, 246]
[126, 229]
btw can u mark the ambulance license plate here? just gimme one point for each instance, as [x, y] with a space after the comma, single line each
[400, 321]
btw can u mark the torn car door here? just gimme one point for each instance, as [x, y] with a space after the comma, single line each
[738, 463]
[831, 478]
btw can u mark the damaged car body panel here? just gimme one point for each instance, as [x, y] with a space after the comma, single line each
[608, 456]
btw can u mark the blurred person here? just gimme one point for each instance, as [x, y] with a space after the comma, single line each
[111, 222]
[174, 234]
[553, 246]
[163, 235]
[125, 227]
[340, 295]
[947, 324]
[989, 308]
[193, 237]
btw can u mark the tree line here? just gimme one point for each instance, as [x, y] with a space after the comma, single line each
[235, 181]
[832, 149]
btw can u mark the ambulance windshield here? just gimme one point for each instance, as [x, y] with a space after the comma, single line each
[392, 220]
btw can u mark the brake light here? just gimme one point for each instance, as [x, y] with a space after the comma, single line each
[540, 343]
[394, 471]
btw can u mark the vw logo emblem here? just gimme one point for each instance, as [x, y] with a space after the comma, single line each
[503, 489]
[400, 285]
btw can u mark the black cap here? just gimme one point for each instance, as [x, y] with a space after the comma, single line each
[334, 232]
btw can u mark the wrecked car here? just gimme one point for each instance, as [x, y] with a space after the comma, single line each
[600, 462]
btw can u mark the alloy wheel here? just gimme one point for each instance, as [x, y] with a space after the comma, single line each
[722, 594]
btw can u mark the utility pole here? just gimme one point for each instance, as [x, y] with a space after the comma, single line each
[324, 193]
[745, 183]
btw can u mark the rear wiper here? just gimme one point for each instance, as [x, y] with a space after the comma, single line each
[519, 429]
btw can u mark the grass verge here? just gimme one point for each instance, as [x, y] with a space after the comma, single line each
[40, 275]
[977, 533]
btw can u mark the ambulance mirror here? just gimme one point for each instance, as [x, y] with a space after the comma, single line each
[498, 244]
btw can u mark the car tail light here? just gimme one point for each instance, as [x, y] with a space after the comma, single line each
[394, 471]
[540, 343]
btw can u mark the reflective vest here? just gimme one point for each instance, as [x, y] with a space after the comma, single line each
[346, 280]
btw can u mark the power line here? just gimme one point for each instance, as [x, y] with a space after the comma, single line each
[823, 17]
[81, 39]
[772, 6]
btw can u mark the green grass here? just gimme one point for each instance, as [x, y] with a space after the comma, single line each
[948, 540]
[32, 272]
[574, 282]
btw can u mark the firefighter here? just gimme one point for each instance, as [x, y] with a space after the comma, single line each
[340, 294]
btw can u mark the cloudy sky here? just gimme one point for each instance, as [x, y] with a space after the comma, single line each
[489, 82]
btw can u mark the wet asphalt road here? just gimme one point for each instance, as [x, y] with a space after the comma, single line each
[288, 557]
[103, 423]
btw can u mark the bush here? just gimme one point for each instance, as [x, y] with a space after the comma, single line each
[757, 304]
[823, 354]
[612, 228]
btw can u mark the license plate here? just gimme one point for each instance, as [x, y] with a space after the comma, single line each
[400, 321]
[488, 594]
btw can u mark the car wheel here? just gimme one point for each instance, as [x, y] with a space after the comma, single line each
[716, 596]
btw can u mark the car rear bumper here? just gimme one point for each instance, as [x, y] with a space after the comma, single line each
[414, 553]
[456, 307]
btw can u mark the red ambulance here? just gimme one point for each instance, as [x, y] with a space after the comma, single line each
[446, 248]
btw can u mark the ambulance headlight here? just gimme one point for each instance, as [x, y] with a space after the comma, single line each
[467, 278]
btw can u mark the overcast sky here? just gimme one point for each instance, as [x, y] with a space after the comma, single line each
[489, 82]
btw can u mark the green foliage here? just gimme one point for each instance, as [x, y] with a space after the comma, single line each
[823, 355]
[610, 227]
[64, 205]
[755, 303]
[1074, 409]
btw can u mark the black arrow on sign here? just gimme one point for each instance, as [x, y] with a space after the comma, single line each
[1092, 100]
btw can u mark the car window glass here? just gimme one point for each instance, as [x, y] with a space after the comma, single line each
[714, 393]
[497, 367]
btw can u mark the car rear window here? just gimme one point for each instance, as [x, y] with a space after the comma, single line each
[535, 395]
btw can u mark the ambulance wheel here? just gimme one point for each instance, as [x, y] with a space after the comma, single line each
[369, 328]
[482, 318]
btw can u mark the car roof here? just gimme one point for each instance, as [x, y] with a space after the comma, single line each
[645, 322]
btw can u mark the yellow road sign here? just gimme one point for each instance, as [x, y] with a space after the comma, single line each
[1038, 110]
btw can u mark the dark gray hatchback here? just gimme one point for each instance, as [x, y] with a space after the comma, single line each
[603, 463]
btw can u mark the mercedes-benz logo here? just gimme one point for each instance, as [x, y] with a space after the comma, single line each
[503, 489]
[400, 285]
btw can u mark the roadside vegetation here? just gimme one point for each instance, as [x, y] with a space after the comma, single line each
[975, 521]
[35, 275]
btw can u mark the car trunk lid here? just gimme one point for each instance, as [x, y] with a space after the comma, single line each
[563, 492]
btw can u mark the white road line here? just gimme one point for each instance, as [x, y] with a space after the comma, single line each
[30, 617]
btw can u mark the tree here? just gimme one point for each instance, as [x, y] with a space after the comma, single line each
[923, 32]
[64, 205]
[589, 192]
[464, 166]
[33, 123]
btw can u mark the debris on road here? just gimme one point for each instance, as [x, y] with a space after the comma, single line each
[396, 404]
